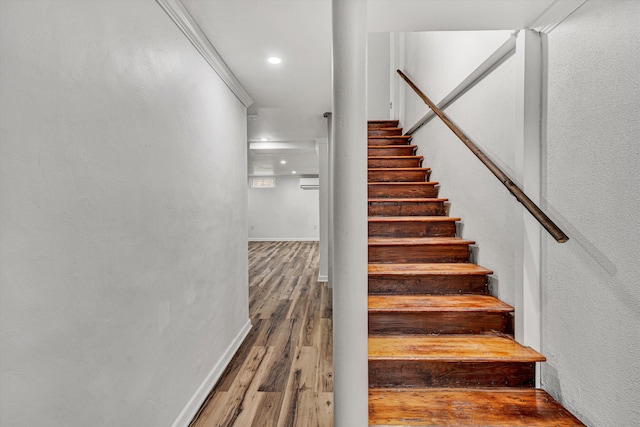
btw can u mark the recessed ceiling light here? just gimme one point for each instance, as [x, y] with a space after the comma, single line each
[264, 139]
[274, 60]
[293, 172]
[284, 162]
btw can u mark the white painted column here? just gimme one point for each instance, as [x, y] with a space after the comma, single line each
[330, 194]
[528, 168]
[396, 85]
[323, 155]
[350, 213]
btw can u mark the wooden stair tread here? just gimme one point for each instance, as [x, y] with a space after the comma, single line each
[383, 122]
[398, 169]
[430, 303]
[428, 268]
[434, 218]
[498, 407]
[400, 184]
[391, 150]
[451, 348]
[388, 146]
[393, 157]
[388, 136]
[409, 200]
[409, 241]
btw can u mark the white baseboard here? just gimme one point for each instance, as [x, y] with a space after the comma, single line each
[283, 239]
[193, 405]
[323, 278]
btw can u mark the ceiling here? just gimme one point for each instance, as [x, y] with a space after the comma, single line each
[290, 98]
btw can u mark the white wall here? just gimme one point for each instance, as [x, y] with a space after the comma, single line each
[122, 214]
[286, 212]
[378, 94]
[591, 298]
[437, 62]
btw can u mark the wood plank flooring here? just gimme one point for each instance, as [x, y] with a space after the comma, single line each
[282, 375]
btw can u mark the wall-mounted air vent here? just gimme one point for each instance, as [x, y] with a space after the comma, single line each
[309, 183]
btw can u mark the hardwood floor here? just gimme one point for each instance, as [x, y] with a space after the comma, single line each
[282, 375]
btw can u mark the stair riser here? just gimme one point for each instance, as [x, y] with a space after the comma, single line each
[402, 191]
[407, 209]
[388, 141]
[394, 163]
[382, 124]
[397, 176]
[385, 132]
[418, 253]
[398, 323]
[398, 150]
[427, 285]
[418, 373]
[412, 229]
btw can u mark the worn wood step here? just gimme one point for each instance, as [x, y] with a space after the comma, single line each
[388, 140]
[438, 314]
[393, 190]
[382, 124]
[394, 161]
[428, 279]
[384, 131]
[450, 361]
[391, 150]
[398, 174]
[412, 226]
[461, 407]
[429, 206]
[418, 250]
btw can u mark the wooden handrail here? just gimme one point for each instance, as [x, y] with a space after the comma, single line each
[533, 209]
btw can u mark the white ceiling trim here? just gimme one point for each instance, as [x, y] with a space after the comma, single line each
[183, 19]
[555, 14]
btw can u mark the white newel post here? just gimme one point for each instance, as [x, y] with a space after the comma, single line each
[529, 88]
[350, 213]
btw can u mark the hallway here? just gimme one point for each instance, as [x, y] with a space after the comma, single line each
[282, 375]
[126, 131]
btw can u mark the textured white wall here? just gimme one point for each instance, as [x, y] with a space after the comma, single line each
[591, 298]
[437, 63]
[378, 95]
[286, 212]
[122, 214]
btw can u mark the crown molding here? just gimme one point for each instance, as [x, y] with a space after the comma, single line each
[553, 16]
[183, 19]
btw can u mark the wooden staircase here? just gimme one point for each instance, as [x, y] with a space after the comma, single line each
[441, 349]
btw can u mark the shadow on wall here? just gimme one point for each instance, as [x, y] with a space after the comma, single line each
[590, 253]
